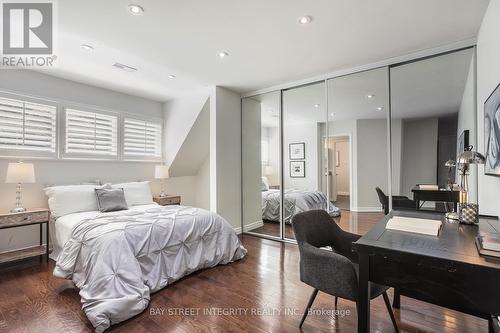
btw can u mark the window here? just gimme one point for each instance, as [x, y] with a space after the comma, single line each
[90, 133]
[141, 139]
[27, 126]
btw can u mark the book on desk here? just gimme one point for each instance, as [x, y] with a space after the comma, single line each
[488, 244]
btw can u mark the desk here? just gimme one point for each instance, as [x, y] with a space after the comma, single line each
[445, 270]
[435, 195]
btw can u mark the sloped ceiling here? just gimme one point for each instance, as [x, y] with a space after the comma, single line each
[195, 148]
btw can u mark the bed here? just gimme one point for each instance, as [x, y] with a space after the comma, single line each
[117, 259]
[295, 202]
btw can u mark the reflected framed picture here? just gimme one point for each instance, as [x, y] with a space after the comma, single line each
[297, 151]
[492, 133]
[297, 169]
[463, 141]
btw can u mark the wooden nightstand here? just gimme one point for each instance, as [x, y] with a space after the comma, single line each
[168, 200]
[30, 217]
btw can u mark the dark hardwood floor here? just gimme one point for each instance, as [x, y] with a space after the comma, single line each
[261, 293]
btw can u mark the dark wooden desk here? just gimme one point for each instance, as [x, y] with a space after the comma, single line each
[445, 270]
[435, 195]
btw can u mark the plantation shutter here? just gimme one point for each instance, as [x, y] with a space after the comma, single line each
[27, 126]
[141, 138]
[91, 133]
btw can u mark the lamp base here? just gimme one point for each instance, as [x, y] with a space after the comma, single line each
[18, 210]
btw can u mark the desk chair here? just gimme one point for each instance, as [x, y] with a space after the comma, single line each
[334, 271]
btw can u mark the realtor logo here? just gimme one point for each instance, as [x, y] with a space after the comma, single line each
[28, 34]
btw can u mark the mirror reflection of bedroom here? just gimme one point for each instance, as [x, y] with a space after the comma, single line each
[325, 145]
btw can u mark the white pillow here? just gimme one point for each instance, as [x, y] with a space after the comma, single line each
[265, 184]
[64, 200]
[136, 193]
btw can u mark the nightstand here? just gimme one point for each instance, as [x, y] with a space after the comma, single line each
[168, 200]
[30, 217]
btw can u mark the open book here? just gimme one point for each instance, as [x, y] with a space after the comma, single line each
[415, 225]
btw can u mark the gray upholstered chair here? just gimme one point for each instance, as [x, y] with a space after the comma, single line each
[335, 271]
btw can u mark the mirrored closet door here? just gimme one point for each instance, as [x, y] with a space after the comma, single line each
[304, 117]
[261, 166]
[357, 145]
[433, 120]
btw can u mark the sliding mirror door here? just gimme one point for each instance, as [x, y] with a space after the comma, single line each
[357, 143]
[433, 120]
[304, 115]
[261, 164]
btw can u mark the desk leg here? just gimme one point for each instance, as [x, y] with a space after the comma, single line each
[363, 304]
[417, 201]
[396, 302]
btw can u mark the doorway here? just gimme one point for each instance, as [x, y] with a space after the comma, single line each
[339, 162]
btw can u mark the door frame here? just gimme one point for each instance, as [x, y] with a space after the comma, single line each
[351, 168]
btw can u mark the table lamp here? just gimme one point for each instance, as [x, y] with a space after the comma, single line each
[468, 212]
[268, 170]
[20, 173]
[161, 172]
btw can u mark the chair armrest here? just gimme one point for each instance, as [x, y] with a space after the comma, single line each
[328, 271]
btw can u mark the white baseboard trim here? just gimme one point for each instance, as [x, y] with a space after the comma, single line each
[343, 193]
[249, 226]
[367, 209]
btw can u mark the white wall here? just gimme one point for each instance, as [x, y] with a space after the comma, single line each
[419, 162]
[488, 77]
[225, 154]
[202, 186]
[307, 133]
[180, 116]
[73, 172]
[372, 163]
[274, 154]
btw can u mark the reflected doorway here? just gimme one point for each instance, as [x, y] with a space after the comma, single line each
[339, 175]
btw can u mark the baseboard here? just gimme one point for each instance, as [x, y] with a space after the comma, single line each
[343, 193]
[367, 209]
[253, 225]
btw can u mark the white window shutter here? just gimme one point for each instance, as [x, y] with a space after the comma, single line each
[27, 126]
[142, 138]
[91, 133]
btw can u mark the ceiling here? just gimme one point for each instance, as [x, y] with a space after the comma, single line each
[430, 87]
[265, 43]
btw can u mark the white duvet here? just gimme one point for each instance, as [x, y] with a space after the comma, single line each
[295, 202]
[118, 259]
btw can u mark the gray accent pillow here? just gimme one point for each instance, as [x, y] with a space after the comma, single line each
[110, 200]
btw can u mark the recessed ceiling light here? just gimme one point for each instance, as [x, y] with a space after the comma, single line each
[304, 19]
[316, 105]
[171, 76]
[380, 108]
[124, 67]
[370, 95]
[135, 9]
[87, 47]
[331, 114]
[222, 54]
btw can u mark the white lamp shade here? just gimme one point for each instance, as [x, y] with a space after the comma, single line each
[20, 173]
[161, 172]
[268, 170]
